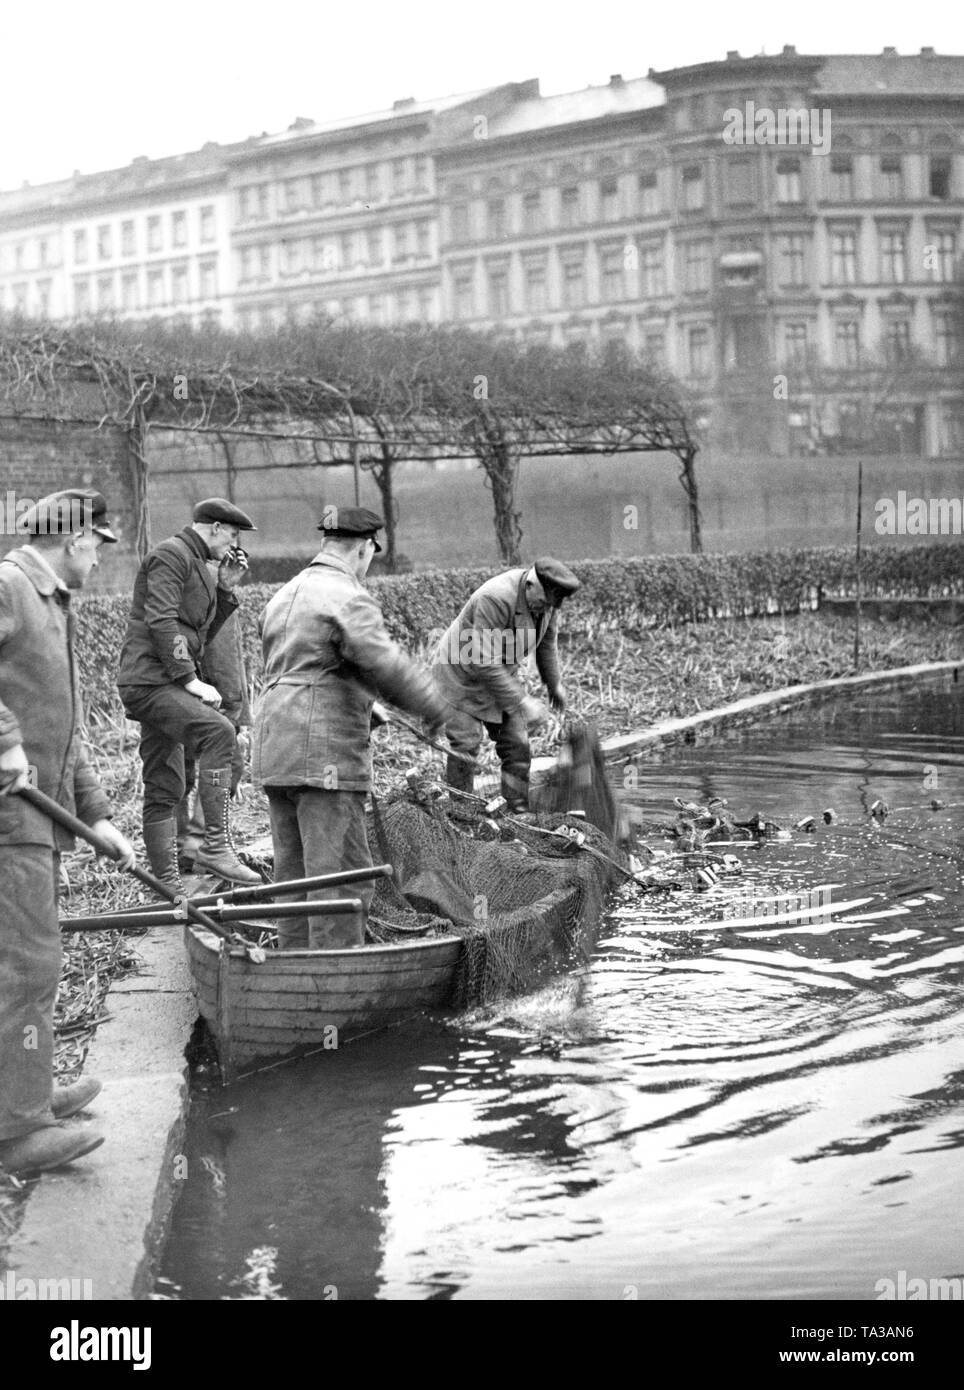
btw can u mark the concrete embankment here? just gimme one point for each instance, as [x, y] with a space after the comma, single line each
[105, 1219]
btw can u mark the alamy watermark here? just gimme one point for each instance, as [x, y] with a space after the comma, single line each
[919, 516]
[14, 1288]
[62, 515]
[788, 125]
[914, 1289]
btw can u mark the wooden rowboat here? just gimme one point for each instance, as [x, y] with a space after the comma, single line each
[301, 1000]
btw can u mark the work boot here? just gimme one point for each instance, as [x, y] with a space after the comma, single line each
[190, 830]
[67, 1100]
[50, 1147]
[160, 841]
[216, 853]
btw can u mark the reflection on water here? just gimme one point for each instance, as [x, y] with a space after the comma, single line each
[775, 1111]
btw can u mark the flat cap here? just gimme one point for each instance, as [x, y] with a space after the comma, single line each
[63, 513]
[351, 521]
[556, 578]
[220, 509]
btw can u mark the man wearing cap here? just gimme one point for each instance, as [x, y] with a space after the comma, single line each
[327, 653]
[183, 593]
[41, 741]
[476, 661]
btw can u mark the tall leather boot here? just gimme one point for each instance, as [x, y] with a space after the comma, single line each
[160, 841]
[216, 854]
[190, 830]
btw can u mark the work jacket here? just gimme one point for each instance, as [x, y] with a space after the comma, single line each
[327, 653]
[177, 607]
[40, 702]
[476, 661]
[223, 666]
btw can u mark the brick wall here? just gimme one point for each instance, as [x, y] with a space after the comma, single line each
[38, 457]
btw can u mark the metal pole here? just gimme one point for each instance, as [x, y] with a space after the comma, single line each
[860, 499]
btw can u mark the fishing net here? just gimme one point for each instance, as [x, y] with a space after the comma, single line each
[523, 897]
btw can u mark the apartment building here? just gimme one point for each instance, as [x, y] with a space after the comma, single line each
[736, 221]
[152, 239]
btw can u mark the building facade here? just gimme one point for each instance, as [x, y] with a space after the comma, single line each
[756, 226]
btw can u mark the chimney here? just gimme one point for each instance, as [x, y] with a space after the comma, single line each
[732, 56]
[403, 103]
[616, 80]
[927, 53]
[789, 50]
[890, 52]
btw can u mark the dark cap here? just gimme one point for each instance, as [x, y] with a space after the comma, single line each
[556, 578]
[63, 513]
[220, 509]
[351, 521]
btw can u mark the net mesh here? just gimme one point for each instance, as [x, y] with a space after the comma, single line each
[521, 897]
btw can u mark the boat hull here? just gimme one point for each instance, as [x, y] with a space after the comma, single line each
[302, 1000]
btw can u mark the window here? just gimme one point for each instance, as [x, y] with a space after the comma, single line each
[939, 176]
[129, 295]
[18, 256]
[738, 181]
[402, 249]
[179, 284]
[460, 221]
[952, 427]
[693, 193]
[178, 228]
[319, 190]
[103, 243]
[655, 347]
[532, 219]
[569, 206]
[292, 257]
[292, 195]
[463, 294]
[20, 298]
[897, 339]
[346, 250]
[841, 179]
[946, 337]
[699, 351]
[345, 182]
[891, 176]
[42, 250]
[105, 293]
[789, 182]
[128, 243]
[573, 284]
[399, 177]
[207, 228]
[495, 218]
[373, 183]
[247, 270]
[498, 292]
[426, 306]
[155, 288]
[843, 258]
[423, 240]
[791, 249]
[80, 247]
[153, 234]
[696, 266]
[847, 342]
[422, 184]
[609, 199]
[373, 239]
[892, 258]
[651, 264]
[795, 342]
[613, 273]
[940, 255]
[325, 253]
[648, 194]
[254, 202]
[535, 283]
[43, 298]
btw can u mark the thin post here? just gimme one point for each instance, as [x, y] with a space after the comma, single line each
[860, 499]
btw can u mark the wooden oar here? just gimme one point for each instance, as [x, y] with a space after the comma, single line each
[264, 892]
[390, 717]
[74, 826]
[169, 917]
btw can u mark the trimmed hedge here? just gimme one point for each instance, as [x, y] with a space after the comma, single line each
[629, 595]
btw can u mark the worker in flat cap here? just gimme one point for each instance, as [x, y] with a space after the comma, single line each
[476, 662]
[327, 653]
[41, 741]
[183, 594]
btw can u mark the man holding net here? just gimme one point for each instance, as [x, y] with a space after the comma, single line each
[476, 663]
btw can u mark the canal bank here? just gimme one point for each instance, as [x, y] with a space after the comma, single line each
[106, 1219]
